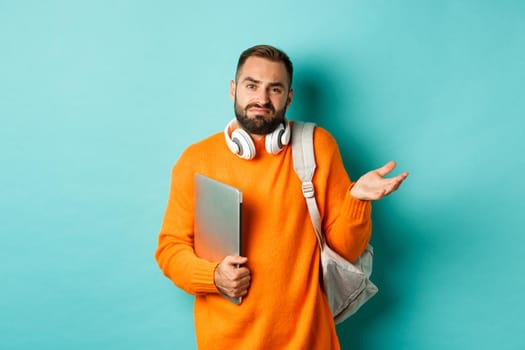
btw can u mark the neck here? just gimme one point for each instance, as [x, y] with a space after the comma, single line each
[255, 137]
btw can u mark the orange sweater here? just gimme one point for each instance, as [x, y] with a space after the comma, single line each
[285, 307]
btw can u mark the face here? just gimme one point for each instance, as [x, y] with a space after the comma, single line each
[261, 95]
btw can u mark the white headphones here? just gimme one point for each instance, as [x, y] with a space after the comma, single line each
[241, 144]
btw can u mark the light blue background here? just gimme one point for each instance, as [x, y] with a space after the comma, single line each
[99, 98]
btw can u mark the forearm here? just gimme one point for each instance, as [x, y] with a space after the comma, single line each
[179, 263]
[351, 232]
[175, 254]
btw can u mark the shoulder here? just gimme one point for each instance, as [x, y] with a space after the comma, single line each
[322, 137]
[209, 144]
[326, 148]
[202, 150]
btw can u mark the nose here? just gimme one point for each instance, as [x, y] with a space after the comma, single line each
[263, 97]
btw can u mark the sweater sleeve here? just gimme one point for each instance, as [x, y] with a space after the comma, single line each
[351, 231]
[175, 253]
[346, 220]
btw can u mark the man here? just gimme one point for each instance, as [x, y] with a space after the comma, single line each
[284, 306]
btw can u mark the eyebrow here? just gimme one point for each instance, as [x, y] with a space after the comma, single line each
[277, 83]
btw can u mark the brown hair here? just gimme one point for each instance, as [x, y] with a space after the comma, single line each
[269, 52]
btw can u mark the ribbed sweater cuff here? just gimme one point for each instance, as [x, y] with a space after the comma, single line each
[357, 209]
[203, 277]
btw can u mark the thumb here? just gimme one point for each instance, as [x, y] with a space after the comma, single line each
[235, 260]
[385, 169]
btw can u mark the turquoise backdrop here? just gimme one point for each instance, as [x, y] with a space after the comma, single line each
[99, 98]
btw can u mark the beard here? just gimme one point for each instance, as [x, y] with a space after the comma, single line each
[259, 124]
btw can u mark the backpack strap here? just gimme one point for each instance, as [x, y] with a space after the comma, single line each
[304, 165]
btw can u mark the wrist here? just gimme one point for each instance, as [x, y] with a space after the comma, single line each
[354, 191]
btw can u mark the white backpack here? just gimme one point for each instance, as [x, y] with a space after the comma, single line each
[347, 285]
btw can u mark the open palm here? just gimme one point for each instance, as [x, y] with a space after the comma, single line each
[374, 186]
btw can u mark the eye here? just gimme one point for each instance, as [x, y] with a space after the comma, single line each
[251, 86]
[277, 90]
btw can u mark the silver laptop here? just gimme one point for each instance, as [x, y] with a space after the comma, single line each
[217, 220]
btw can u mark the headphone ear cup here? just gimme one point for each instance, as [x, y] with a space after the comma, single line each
[273, 141]
[232, 146]
[285, 137]
[244, 143]
[279, 138]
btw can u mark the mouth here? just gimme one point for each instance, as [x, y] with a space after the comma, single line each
[259, 109]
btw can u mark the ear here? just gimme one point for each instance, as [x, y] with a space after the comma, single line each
[232, 90]
[289, 98]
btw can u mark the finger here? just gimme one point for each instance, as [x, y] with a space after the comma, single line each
[228, 286]
[239, 288]
[228, 269]
[400, 178]
[396, 182]
[239, 274]
[238, 293]
[235, 260]
[241, 284]
[385, 169]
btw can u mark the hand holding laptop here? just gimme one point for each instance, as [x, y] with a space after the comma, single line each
[218, 235]
[231, 278]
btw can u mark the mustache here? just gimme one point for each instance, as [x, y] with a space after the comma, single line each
[257, 105]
